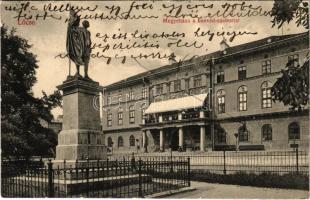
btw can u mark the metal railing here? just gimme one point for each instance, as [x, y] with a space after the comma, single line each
[227, 162]
[94, 178]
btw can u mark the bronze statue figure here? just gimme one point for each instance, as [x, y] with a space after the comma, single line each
[78, 43]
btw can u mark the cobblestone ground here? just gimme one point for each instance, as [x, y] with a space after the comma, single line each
[221, 191]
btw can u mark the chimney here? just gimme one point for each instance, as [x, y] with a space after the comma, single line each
[172, 59]
[224, 45]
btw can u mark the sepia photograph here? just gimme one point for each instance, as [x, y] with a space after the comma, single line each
[179, 99]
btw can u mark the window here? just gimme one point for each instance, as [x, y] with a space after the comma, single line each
[120, 141]
[221, 136]
[242, 98]
[131, 95]
[243, 134]
[266, 94]
[119, 98]
[109, 100]
[293, 131]
[266, 132]
[186, 83]
[177, 85]
[221, 101]
[109, 117]
[144, 93]
[110, 142]
[159, 89]
[88, 138]
[143, 107]
[197, 81]
[132, 141]
[131, 114]
[241, 72]
[266, 67]
[220, 77]
[294, 58]
[120, 117]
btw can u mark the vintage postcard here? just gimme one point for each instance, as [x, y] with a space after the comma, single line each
[155, 99]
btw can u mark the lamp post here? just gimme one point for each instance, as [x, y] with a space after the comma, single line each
[211, 96]
[237, 137]
[112, 147]
[138, 145]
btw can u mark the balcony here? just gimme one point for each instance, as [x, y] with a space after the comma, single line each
[174, 118]
[191, 115]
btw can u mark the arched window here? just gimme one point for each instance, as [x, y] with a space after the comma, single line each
[131, 114]
[242, 98]
[132, 141]
[266, 94]
[221, 101]
[120, 141]
[267, 132]
[293, 131]
[110, 142]
[243, 134]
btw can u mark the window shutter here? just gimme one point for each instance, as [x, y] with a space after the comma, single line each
[172, 86]
[182, 84]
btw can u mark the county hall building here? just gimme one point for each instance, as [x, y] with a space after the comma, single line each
[169, 107]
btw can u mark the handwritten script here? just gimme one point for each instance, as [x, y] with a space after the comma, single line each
[143, 43]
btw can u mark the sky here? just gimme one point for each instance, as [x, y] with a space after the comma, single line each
[48, 38]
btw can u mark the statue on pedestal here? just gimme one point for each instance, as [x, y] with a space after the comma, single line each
[78, 43]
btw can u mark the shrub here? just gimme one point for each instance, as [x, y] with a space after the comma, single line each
[291, 180]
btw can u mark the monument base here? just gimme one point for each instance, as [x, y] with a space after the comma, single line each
[77, 145]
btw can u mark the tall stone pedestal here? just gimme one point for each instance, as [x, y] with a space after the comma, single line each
[81, 136]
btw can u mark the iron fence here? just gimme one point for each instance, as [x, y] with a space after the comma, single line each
[94, 178]
[227, 162]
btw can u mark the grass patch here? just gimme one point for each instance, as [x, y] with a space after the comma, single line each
[289, 181]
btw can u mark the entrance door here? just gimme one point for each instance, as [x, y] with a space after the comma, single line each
[173, 138]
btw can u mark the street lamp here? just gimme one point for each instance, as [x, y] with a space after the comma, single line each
[236, 136]
[138, 145]
[211, 96]
[112, 147]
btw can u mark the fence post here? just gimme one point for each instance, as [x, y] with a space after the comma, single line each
[87, 177]
[224, 162]
[297, 170]
[188, 172]
[140, 178]
[50, 178]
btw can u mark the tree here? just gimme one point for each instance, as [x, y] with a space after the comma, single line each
[292, 88]
[287, 10]
[22, 133]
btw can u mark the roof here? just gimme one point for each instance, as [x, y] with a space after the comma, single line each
[183, 103]
[230, 50]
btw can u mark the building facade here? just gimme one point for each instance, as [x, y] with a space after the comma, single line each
[188, 107]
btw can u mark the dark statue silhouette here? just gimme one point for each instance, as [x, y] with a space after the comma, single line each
[78, 43]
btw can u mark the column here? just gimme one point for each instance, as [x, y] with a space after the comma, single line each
[179, 116]
[181, 137]
[201, 114]
[161, 139]
[202, 138]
